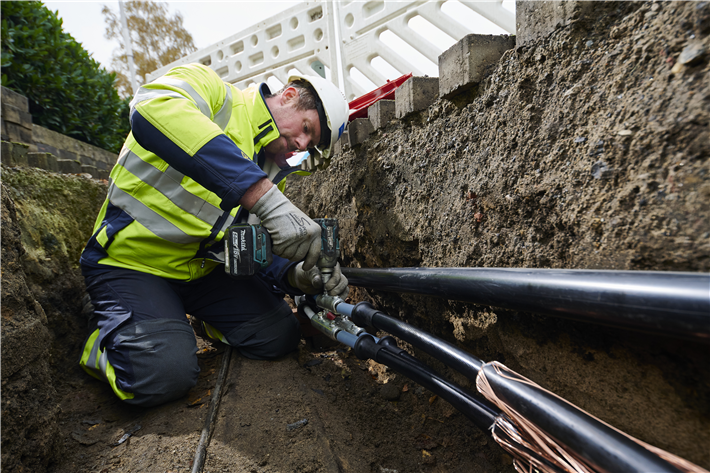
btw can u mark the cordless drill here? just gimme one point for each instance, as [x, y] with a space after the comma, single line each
[247, 249]
[329, 247]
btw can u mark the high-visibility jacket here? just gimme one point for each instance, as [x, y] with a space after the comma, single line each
[190, 157]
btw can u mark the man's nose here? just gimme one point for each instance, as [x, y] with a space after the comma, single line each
[302, 142]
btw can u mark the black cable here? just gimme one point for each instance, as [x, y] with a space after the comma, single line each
[201, 452]
[364, 314]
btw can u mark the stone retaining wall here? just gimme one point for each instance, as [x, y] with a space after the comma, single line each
[28, 145]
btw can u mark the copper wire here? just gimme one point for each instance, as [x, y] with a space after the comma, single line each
[527, 436]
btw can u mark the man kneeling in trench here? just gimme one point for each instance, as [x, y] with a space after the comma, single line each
[201, 156]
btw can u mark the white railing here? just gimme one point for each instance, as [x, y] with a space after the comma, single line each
[358, 45]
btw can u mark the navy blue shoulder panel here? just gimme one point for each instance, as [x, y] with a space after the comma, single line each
[219, 166]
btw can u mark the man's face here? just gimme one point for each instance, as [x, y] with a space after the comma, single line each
[299, 129]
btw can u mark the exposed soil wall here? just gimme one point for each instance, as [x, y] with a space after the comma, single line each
[586, 149]
[45, 219]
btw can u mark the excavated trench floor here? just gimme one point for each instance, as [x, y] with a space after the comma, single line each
[311, 411]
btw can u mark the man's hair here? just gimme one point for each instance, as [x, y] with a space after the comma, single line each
[307, 97]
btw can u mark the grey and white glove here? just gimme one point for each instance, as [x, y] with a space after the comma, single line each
[294, 236]
[311, 281]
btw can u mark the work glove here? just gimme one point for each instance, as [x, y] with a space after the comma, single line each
[311, 281]
[294, 236]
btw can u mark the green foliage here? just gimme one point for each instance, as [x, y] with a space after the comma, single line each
[67, 90]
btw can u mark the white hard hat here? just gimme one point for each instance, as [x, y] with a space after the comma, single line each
[333, 114]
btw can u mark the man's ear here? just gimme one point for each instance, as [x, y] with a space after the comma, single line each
[289, 96]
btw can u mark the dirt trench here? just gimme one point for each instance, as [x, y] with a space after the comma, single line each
[586, 149]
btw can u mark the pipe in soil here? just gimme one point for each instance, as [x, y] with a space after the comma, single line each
[201, 452]
[665, 303]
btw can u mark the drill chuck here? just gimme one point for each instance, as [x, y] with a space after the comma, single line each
[329, 247]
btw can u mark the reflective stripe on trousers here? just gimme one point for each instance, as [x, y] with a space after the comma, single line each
[95, 362]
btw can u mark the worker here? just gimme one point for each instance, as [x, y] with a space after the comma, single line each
[203, 154]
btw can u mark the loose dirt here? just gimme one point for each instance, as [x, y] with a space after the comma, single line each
[312, 411]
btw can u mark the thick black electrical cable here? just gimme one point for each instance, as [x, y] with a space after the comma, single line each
[597, 443]
[664, 303]
[482, 414]
[365, 314]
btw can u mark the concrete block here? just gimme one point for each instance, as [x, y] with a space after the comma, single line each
[87, 160]
[359, 130]
[381, 113]
[11, 97]
[17, 133]
[103, 174]
[38, 160]
[343, 144]
[416, 94]
[5, 152]
[88, 169]
[537, 19]
[19, 154]
[69, 166]
[66, 154]
[52, 163]
[310, 164]
[463, 65]
[17, 116]
[104, 166]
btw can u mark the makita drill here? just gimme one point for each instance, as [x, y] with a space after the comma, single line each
[247, 249]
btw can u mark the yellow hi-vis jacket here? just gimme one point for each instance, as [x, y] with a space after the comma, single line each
[190, 157]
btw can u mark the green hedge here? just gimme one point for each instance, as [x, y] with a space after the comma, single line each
[67, 90]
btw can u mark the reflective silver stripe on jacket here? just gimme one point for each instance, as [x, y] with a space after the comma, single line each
[181, 84]
[147, 217]
[144, 94]
[221, 118]
[92, 362]
[168, 184]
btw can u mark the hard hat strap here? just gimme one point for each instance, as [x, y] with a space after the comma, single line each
[324, 130]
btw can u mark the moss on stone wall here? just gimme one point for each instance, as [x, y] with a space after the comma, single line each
[57, 211]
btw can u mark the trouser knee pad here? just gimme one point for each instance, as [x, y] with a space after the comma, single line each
[155, 360]
[273, 341]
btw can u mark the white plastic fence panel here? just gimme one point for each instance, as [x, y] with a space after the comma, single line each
[301, 38]
[363, 26]
[306, 38]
